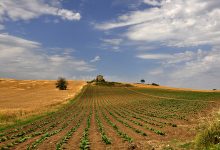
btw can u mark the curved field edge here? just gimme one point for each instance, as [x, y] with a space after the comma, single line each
[128, 115]
[177, 94]
[33, 118]
[21, 99]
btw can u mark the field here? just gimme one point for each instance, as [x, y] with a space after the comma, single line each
[20, 99]
[102, 117]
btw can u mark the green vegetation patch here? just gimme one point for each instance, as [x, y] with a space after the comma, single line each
[209, 138]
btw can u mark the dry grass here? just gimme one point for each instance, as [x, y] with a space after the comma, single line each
[20, 99]
[171, 88]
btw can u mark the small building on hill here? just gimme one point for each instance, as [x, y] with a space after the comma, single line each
[100, 78]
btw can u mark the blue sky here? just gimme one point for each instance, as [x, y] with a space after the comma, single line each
[170, 42]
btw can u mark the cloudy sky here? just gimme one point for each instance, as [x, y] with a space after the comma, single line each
[170, 42]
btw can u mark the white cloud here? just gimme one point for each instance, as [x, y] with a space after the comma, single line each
[203, 63]
[97, 58]
[67, 14]
[200, 69]
[152, 2]
[114, 42]
[26, 10]
[24, 59]
[175, 23]
[173, 58]
[154, 56]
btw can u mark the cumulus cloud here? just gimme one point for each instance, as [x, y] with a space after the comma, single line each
[97, 58]
[154, 56]
[152, 2]
[26, 10]
[25, 59]
[203, 63]
[175, 23]
[174, 58]
[199, 69]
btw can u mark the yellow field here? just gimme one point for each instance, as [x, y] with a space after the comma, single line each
[20, 99]
[171, 88]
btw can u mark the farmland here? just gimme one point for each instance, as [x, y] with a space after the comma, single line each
[21, 99]
[102, 117]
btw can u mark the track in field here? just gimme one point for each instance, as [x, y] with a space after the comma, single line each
[109, 118]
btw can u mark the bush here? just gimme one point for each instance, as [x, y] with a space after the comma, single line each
[209, 138]
[142, 81]
[155, 84]
[113, 84]
[61, 84]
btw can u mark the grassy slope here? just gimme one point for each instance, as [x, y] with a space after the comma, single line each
[190, 95]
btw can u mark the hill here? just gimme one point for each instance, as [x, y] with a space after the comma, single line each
[20, 99]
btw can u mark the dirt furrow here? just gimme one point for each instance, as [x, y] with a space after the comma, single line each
[74, 142]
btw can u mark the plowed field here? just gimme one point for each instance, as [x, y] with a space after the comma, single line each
[117, 118]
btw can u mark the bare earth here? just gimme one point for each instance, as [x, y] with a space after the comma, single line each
[22, 98]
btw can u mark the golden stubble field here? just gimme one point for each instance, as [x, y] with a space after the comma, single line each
[20, 99]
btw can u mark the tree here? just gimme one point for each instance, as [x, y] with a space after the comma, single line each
[142, 81]
[61, 83]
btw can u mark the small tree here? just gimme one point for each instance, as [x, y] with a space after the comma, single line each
[142, 81]
[61, 83]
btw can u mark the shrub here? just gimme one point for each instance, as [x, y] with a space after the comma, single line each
[61, 84]
[155, 84]
[142, 81]
[209, 138]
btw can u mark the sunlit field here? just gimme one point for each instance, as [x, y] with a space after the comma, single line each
[103, 117]
[20, 99]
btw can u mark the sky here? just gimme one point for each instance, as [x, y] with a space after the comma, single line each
[169, 42]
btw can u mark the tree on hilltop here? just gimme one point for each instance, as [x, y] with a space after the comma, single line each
[142, 81]
[61, 83]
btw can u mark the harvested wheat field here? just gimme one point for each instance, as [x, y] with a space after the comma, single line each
[103, 117]
[20, 99]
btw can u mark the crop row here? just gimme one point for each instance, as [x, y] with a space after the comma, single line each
[23, 137]
[42, 121]
[49, 134]
[69, 133]
[84, 143]
[118, 131]
[31, 132]
[127, 111]
[126, 124]
[105, 139]
[140, 124]
[45, 136]
[32, 127]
